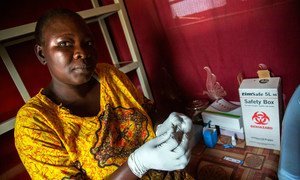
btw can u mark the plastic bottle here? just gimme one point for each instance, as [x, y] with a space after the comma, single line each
[233, 140]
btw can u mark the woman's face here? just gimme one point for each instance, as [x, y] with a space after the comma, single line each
[69, 51]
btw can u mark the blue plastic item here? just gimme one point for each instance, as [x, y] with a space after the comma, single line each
[226, 146]
[210, 137]
[289, 163]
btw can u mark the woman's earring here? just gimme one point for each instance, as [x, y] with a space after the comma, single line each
[44, 62]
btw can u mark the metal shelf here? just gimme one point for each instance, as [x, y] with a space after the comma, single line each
[27, 29]
[18, 34]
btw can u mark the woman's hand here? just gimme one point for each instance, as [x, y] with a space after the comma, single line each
[183, 130]
[175, 120]
[160, 153]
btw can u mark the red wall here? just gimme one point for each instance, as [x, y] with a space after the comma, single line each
[242, 35]
[230, 40]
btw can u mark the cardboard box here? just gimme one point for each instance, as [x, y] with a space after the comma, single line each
[232, 132]
[261, 101]
[224, 114]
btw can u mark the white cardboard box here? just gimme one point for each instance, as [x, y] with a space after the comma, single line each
[232, 132]
[224, 114]
[261, 110]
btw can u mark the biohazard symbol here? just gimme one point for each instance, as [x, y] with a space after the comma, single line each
[260, 118]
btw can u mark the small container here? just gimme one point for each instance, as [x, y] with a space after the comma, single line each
[210, 137]
[233, 140]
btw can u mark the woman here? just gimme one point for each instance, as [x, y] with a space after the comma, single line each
[81, 128]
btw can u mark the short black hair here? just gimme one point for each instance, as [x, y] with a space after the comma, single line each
[47, 17]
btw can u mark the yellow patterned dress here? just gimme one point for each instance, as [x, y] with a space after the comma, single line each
[55, 144]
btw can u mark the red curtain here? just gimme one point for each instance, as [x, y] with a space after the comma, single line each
[230, 37]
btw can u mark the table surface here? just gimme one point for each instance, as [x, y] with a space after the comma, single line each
[209, 163]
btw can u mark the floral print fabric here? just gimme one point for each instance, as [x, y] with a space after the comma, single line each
[55, 144]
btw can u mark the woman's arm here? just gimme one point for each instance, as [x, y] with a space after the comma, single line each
[123, 172]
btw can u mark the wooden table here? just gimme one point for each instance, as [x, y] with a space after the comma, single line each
[209, 163]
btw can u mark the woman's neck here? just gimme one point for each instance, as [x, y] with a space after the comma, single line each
[69, 94]
[83, 100]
